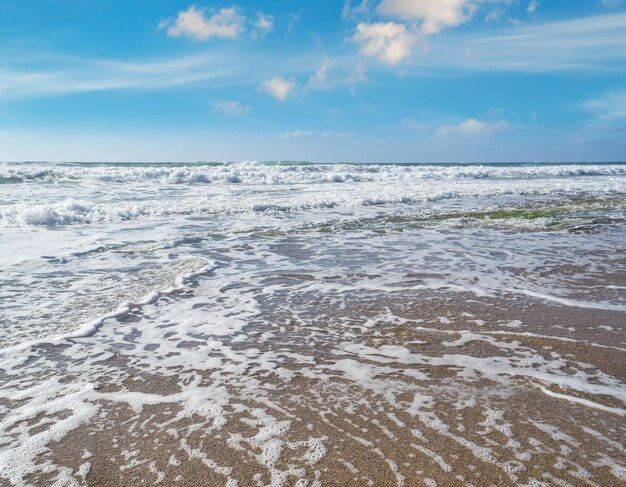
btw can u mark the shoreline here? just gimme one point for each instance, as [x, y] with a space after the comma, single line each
[381, 401]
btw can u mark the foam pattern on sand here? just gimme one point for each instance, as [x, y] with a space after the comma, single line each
[281, 362]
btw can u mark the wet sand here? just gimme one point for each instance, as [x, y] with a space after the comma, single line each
[443, 357]
[403, 388]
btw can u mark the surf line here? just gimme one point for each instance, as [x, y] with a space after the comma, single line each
[91, 327]
[581, 401]
[180, 283]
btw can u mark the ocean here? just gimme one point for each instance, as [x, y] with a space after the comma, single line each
[286, 323]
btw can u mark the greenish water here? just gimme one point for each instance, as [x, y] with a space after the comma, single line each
[583, 214]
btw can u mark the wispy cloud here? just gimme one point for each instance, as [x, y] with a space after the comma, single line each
[610, 107]
[354, 9]
[471, 127]
[335, 73]
[336, 135]
[233, 108]
[293, 20]
[263, 25]
[357, 76]
[85, 76]
[532, 6]
[298, 134]
[320, 79]
[592, 43]
[308, 134]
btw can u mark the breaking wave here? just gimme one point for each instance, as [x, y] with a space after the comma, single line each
[279, 174]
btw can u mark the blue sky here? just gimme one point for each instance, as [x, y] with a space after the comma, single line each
[326, 80]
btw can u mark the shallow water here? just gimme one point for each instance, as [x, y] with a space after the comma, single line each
[266, 324]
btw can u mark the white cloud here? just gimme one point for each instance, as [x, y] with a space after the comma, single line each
[298, 134]
[609, 107]
[471, 127]
[393, 41]
[611, 3]
[233, 108]
[434, 15]
[533, 5]
[226, 23]
[278, 87]
[389, 42]
[264, 24]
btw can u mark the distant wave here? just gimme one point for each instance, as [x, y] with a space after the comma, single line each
[289, 173]
[71, 211]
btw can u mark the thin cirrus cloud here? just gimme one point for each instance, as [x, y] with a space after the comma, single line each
[332, 74]
[471, 128]
[201, 24]
[308, 134]
[321, 78]
[587, 44]
[76, 75]
[233, 108]
[278, 87]
[358, 75]
[298, 134]
[532, 6]
[609, 107]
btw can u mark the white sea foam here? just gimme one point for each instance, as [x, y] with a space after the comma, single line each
[584, 402]
[263, 173]
[109, 193]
